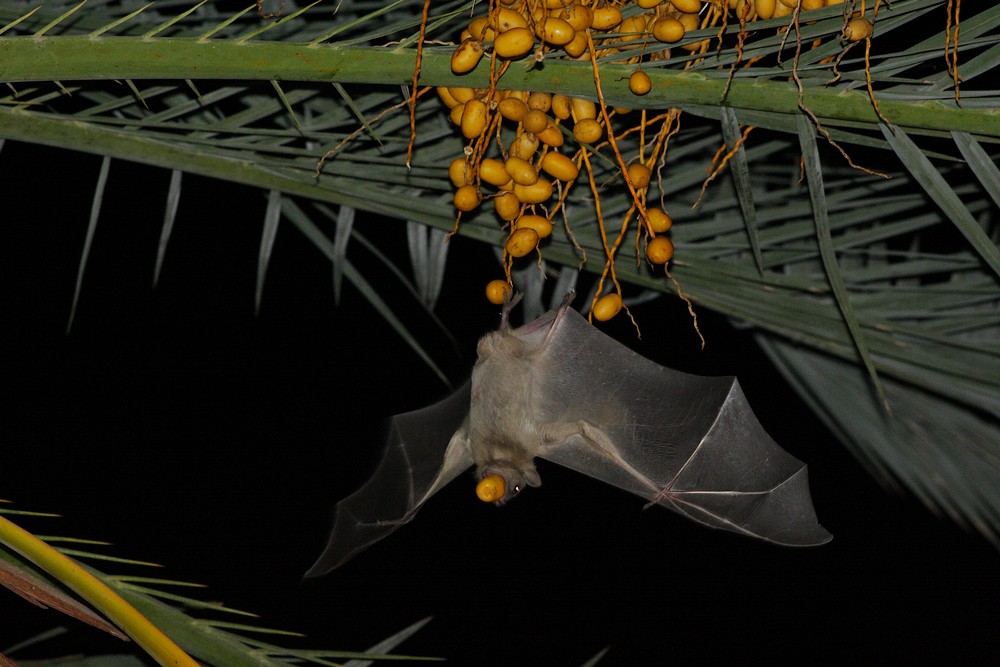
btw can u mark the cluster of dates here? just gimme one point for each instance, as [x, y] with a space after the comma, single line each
[527, 176]
[528, 179]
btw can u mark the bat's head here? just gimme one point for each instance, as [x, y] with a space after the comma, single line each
[500, 481]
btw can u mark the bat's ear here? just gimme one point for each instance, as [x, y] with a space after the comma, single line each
[531, 477]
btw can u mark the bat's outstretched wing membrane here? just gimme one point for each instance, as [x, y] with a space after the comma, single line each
[426, 449]
[686, 442]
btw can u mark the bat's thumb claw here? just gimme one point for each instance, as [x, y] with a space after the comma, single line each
[491, 488]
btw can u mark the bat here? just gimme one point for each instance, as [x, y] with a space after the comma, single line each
[559, 389]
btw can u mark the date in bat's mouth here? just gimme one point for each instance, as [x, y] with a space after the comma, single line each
[492, 488]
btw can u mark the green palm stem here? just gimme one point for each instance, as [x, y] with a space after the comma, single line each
[75, 58]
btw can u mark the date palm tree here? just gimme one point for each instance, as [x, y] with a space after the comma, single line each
[852, 223]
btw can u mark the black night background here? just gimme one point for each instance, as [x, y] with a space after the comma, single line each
[189, 432]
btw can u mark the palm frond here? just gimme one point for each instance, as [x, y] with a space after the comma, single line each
[961, 481]
[162, 613]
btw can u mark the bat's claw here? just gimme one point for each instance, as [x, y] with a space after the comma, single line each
[510, 300]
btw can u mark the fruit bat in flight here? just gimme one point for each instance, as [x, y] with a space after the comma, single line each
[559, 389]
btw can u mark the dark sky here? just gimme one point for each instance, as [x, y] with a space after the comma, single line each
[176, 424]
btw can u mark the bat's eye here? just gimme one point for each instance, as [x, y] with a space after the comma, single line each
[517, 490]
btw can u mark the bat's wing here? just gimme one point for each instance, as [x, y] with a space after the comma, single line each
[426, 449]
[686, 442]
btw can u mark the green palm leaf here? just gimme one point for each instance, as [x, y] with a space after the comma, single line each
[194, 625]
